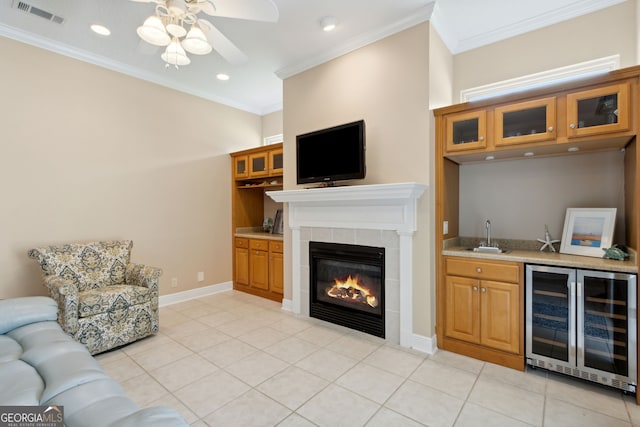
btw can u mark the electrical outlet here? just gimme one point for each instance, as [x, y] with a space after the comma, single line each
[174, 282]
[445, 227]
[201, 276]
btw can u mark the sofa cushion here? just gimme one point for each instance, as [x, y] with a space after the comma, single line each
[9, 349]
[111, 298]
[21, 384]
[88, 266]
[18, 312]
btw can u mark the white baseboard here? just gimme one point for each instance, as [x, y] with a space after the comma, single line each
[424, 344]
[287, 305]
[170, 299]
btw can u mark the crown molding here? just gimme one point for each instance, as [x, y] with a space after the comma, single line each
[554, 16]
[423, 15]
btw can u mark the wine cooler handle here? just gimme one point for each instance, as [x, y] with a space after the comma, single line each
[579, 289]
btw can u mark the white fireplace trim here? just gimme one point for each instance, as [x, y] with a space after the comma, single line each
[377, 207]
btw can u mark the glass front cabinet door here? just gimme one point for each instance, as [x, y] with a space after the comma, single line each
[240, 167]
[258, 165]
[525, 122]
[276, 161]
[466, 131]
[599, 110]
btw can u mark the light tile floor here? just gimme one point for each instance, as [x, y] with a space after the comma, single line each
[233, 359]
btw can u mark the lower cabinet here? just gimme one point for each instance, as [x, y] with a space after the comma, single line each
[484, 313]
[259, 267]
[276, 267]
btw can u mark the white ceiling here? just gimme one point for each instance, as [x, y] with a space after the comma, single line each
[275, 50]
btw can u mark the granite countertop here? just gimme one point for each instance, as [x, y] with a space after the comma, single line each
[525, 252]
[256, 233]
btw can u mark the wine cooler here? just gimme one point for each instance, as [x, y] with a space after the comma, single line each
[582, 323]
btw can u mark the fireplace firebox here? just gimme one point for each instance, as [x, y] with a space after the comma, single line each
[347, 286]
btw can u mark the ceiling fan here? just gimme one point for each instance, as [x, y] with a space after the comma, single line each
[168, 27]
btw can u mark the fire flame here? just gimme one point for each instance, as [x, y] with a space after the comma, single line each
[353, 291]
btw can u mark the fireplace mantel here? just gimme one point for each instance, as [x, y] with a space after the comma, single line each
[376, 207]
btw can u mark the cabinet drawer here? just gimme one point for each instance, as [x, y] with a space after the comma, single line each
[242, 243]
[276, 246]
[482, 269]
[259, 245]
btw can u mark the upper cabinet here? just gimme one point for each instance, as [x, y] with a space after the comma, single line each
[466, 131]
[511, 126]
[276, 162]
[240, 167]
[597, 111]
[251, 167]
[525, 122]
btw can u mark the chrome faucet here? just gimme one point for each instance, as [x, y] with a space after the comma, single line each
[487, 225]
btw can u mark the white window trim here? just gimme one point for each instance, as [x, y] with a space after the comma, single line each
[556, 75]
[274, 139]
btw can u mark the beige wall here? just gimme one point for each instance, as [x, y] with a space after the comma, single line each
[607, 32]
[272, 124]
[387, 85]
[88, 154]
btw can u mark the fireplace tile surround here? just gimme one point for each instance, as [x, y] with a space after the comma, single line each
[336, 215]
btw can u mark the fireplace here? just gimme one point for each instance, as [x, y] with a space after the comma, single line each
[346, 286]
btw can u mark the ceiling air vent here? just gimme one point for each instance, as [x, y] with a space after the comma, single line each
[26, 7]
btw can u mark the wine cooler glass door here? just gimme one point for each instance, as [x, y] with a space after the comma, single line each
[607, 330]
[551, 315]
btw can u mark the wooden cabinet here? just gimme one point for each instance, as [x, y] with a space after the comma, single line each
[241, 270]
[276, 266]
[525, 122]
[276, 162]
[512, 126]
[259, 267]
[598, 111]
[240, 167]
[257, 262]
[466, 131]
[258, 164]
[483, 307]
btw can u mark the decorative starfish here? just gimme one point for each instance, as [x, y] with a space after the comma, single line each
[547, 240]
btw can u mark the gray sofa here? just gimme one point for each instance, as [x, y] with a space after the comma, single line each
[41, 365]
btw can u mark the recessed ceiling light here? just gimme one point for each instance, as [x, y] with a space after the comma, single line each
[489, 158]
[572, 149]
[100, 29]
[328, 23]
[222, 76]
[529, 154]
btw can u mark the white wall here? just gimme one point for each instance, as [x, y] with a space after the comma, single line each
[89, 154]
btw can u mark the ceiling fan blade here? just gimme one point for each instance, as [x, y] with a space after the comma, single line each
[222, 44]
[253, 10]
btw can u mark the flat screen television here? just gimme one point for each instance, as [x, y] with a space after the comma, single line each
[332, 154]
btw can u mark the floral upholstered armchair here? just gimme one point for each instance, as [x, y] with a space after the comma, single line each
[104, 301]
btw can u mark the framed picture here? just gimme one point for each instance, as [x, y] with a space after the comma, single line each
[587, 231]
[277, 223]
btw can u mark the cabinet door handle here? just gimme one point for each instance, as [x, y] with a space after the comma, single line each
[550, 128]
[478, 270]
[572, 125]
[484, 290]
[481, 138]
[475, 289]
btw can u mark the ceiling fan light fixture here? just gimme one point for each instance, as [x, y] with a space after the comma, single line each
[328, 23]
[174, 54]
[176, 30]
[196, 42]
[153, 31]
